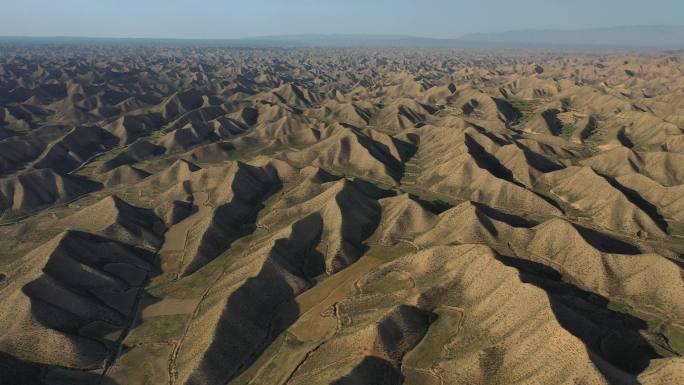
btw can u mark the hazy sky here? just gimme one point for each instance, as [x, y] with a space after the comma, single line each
[243, 18]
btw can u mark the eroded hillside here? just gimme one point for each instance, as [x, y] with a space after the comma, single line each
[214, 216]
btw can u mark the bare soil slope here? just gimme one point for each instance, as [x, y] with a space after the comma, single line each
[211, 216]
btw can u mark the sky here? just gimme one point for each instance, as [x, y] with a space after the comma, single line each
[248, 18]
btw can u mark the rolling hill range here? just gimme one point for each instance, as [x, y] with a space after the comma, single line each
[641, 37]
[202, 215]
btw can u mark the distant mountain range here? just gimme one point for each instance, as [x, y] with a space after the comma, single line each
[625, 36]
[650, 37]
[621, 37]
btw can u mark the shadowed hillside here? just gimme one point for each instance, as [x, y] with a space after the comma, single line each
[192, 214]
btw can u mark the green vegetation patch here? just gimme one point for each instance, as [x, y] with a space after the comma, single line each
[275, 364]
[145, 365]
[526, 108]
[158, 329]
[594, 135]
[618, 306]
[390, 253]
[567, 130]
[675, 337]
[438, 343]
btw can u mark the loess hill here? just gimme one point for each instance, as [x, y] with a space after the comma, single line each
[206, 216]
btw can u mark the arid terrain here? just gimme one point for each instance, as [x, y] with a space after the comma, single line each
[212, 216]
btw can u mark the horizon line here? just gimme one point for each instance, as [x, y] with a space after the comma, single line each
[341, 34]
